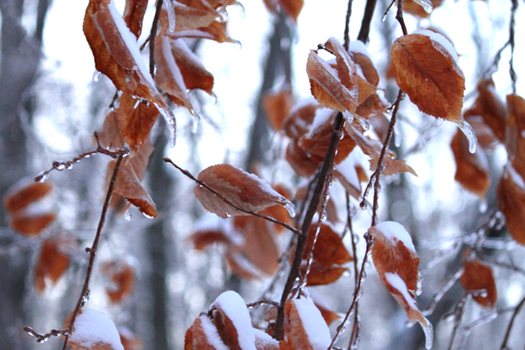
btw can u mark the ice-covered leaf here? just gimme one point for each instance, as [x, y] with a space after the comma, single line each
[203, 238]
[477, 278]
[397, 263]
[300, 118]
[426, 69]
[215, 31]
[472, 170]
[511, 202]
[421, 8]
[346, 173]
[321, 274]
[232, 319]
[515, 133]
[305, 327]
[277, 106]
[52, 262]
[193, 72]
[301, 163]
[242, 189]
[128, 186]
[134, 15]
[120, 279]
[191, 17]
[329, 248]
[94, 330]
[334, 88]
[203, 335]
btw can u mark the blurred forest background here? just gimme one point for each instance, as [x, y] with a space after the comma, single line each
[52, 100]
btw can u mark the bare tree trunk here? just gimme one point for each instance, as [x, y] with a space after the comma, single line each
[20, 57]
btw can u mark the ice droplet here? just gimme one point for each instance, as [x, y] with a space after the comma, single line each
[127, 215]
[42, 177]
[96, 76]
[429, 334]
[426, 5]
[195, 122]
[290, 208]
[147, 216]
[467, 130]
[483, 205]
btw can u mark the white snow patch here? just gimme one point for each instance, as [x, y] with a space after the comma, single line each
[445, 46]
[233, 305]
[172, 64]
[322, 116]
[358, 46]
[92, 327]
[398, 284]
[394, 231]
[347, 169]
[266, 187]
[264, 340]
[212, 335]
[131, 43]
[515, 176]
[314, 325]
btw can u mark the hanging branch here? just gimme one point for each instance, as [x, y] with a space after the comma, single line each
[319, 190]
[367, 19]
[225, 200]
[92, 251]
[511, 323]
[152, 35]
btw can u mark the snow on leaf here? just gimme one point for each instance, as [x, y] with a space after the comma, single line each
[477, 278]
[232, 319]
[134, 15]
[427, 71]
[203, 335]
[397, 263]
[121, 279]
[242, 189]
[333, 88]
[471, 169]
[321, 274]
[94, 330]
[420, 8]
[263, 341]
[511, 202]
[52, 262]
[305, 327]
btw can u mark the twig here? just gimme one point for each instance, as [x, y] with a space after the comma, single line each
[319, 189]
[458, 315]
[68, 165]
[93, 250]
[152, 35]
[225, 200]
[399, 17]
[511, 323]
[41, 338]
[367, 18]
[346, 43]
[512, 25]
[354, 337]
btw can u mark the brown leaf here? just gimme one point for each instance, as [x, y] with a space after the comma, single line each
[427, 71]
[471, 169]
[22, 194]
[277, 106]
[305, 327]
[320, 274]
[397, 263]
[299, 160]
[491, 108]
[121, 278]
[242, 189]
[134, 14]
[233, 322]
[189, 18]
[52, 262]
[333, 88]
[477, 278]
[292, 7]
[329, 316]
[202, 335]
[203, 238]
[128, 186]
[484, 134]
[511, 202]
[116, 54]
[412, 7]
[215, 31]
[515, 140]
[329, 248]
[299, 120]
[29, 224]
[193, 72]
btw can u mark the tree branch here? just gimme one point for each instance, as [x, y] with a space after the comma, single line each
[367, 19]
[152, 35]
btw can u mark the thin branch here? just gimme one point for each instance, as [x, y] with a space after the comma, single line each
[152, 35]
[225, 200]
[354, 337]
[367, 19]
[41, 338]
[68, 164]
[346, 43]
[84, 295]
[511, 323]
[512, 25]
[399, 17]
[319, 190]
[458, 315]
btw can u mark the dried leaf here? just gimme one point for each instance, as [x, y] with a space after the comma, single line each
[414, 8]
[52, 262]
[189, 18]
[471, 169]
[299, 120]
[203, 238]
[491, 108]
[292, 7]
[128, 186]
[215, 31]
[203, 335]
[31, 224]
[397, 263]
[25, 192]
[427, 71]
[121, 277]
[193, 72]
[515, 133]
[134, 15]
[305, 327]
[321, 274]
[299, 160]
[484, 134]
[477, 278]
[511, 202]
[242, 189]
[333, 88]
[329, 316]
[277, 106]
[329, 248]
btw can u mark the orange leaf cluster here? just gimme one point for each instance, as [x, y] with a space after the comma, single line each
[27, 204]
[477, 278]
[427, 71]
